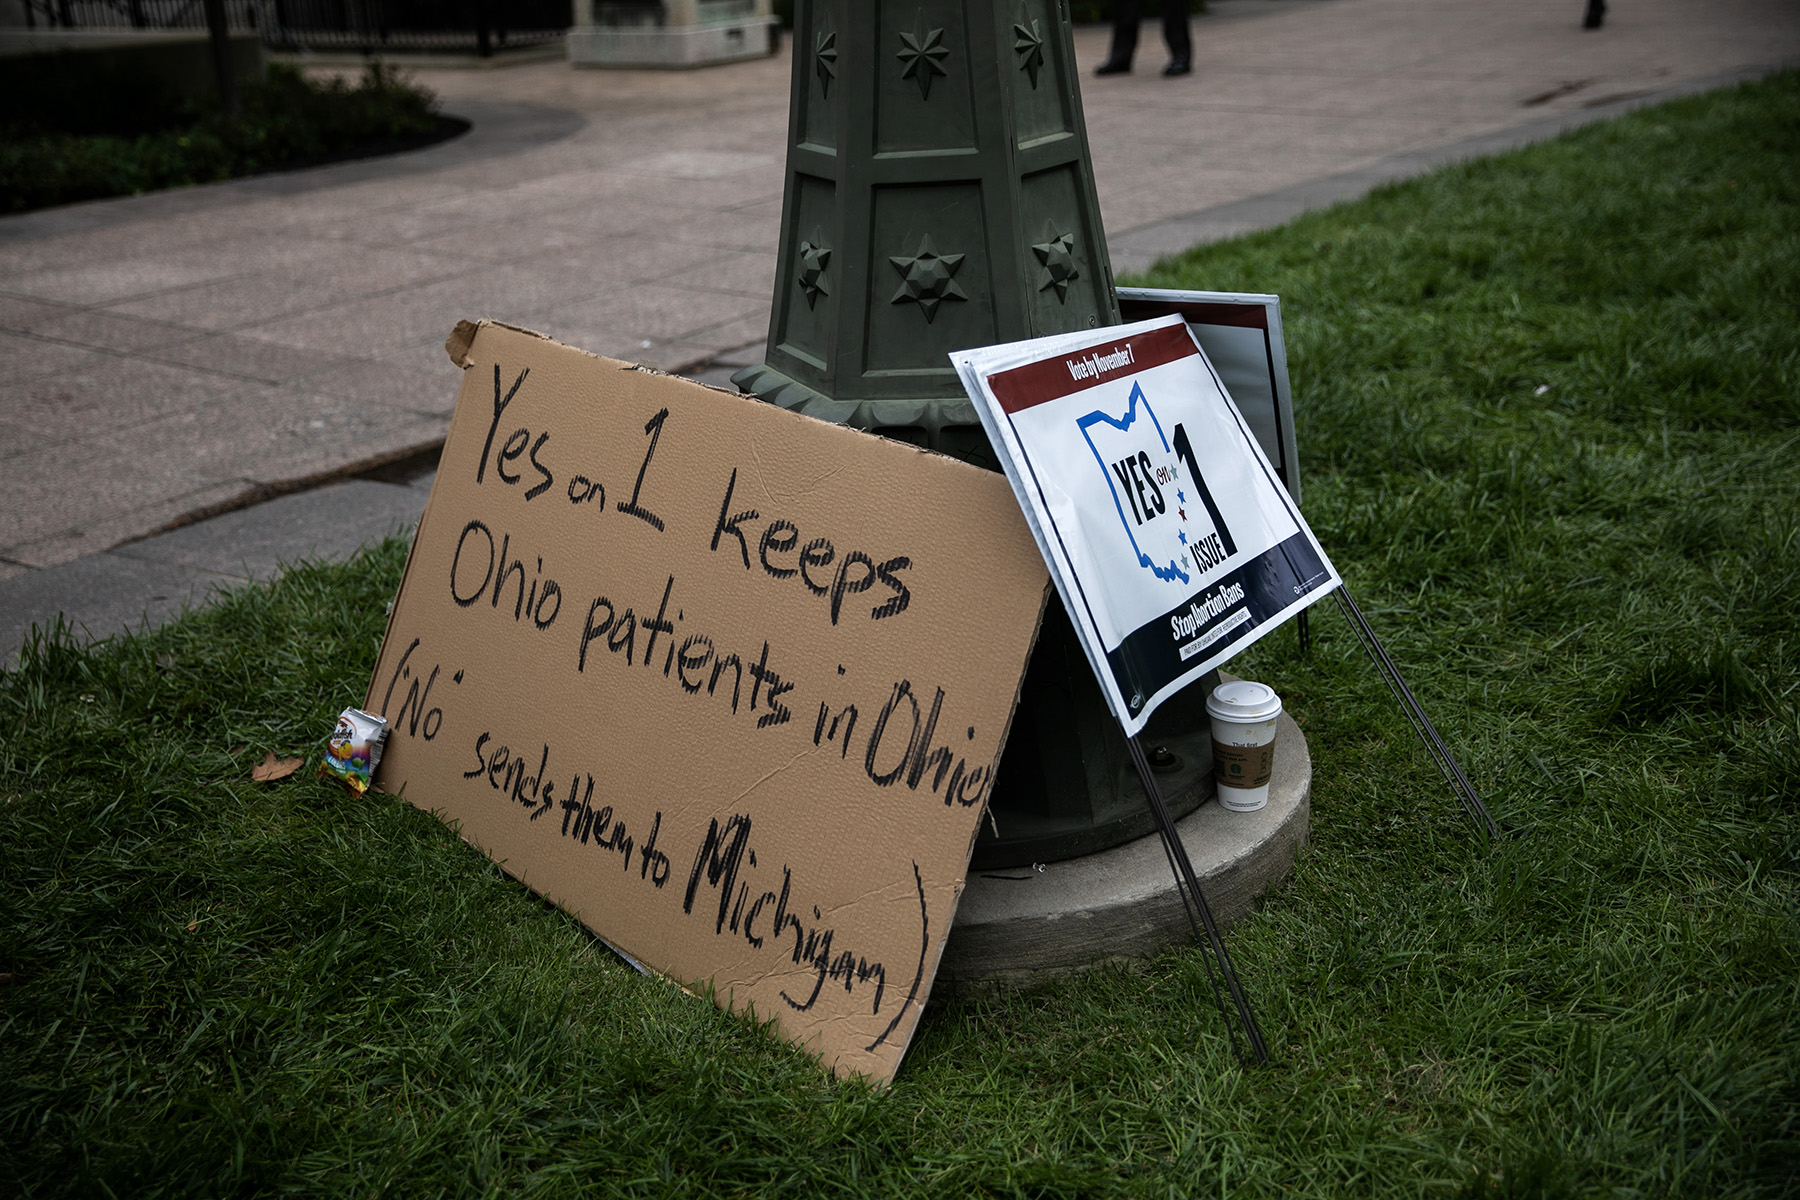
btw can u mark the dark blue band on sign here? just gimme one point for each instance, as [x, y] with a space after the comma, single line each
[1207, 623]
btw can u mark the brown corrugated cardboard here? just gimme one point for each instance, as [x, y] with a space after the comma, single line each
[727, 683]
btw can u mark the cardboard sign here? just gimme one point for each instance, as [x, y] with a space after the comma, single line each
[1166, 529]
[1240, 334]
[727, 683]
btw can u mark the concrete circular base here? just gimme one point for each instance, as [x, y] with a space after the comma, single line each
[1020, 924]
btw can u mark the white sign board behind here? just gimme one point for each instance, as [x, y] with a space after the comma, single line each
[1165, 526]
[1240, 334]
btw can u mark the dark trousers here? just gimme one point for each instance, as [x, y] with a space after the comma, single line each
[1127, 14]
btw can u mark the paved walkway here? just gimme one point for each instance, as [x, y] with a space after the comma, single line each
[196, 352]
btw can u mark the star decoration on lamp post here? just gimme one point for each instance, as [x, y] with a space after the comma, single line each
[815, 256]
[1056, 255]
[825, 57]
[1028, 44]
[923, 51]
[926, 278]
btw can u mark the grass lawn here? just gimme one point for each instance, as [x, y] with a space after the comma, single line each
[1549, 417]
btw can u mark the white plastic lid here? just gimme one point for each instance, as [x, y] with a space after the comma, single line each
[1243, 701]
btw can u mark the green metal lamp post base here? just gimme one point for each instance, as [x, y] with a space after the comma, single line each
[950, 426]
[1066, 785]
[940, 196]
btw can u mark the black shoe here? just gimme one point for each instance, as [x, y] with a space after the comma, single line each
[1180, 66]
[1596, 14]
[1113, 66]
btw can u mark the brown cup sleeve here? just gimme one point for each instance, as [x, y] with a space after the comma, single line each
[1243, 766]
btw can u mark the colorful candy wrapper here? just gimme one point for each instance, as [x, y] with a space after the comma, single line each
[355, 749]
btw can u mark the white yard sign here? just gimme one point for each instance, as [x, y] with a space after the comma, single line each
[1169, 536]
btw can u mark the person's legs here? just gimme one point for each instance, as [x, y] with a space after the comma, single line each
[1126, 16]
[1175, 33]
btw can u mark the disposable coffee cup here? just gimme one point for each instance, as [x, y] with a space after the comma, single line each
[1243, 741]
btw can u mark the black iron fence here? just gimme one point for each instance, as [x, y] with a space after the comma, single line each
[365, 26]
[453, 26]
[134, 14]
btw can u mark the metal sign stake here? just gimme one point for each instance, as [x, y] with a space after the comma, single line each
[1409, 704]
[1188, 884]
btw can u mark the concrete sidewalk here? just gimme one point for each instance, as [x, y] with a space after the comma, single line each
[197, 352]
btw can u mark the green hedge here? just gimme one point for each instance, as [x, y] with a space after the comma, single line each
[82, 140]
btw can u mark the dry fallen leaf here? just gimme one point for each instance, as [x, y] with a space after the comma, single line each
[271, 768]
